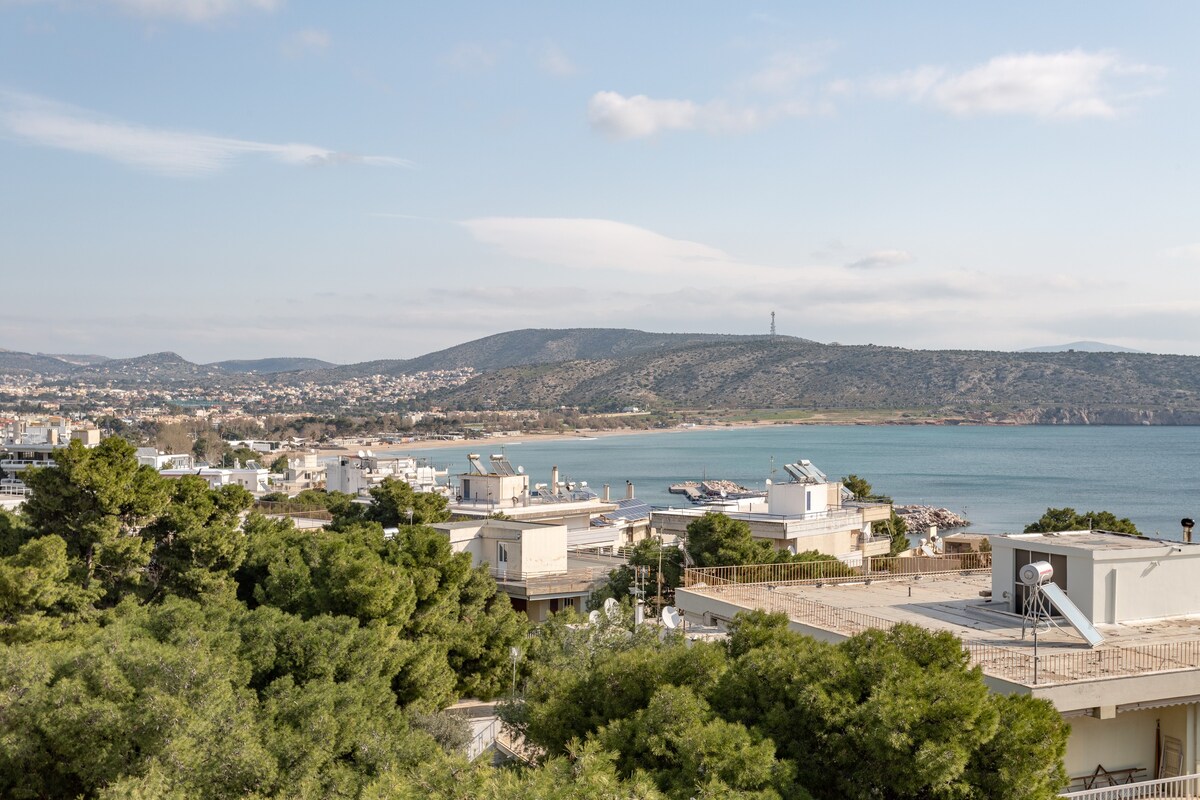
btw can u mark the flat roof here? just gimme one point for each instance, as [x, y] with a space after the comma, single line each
[1095, 540]
[953, 602]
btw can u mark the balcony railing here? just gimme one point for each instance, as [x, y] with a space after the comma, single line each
[1180, 787]
[834, 571]
[549, 582]
[1010, 663]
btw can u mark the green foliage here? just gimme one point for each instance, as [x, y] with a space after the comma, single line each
[772, 713]
[155, 644]
[896, 529]
[1066, 519]
[239, 455]
[98, 501]
[279, 465]
[717, 540]
[650, 555]
[392, 500]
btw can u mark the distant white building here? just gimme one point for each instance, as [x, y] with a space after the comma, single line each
[357, 475]
[305, 471]
[809, 512]
[255, 480]
[530, 562]
[152, 457]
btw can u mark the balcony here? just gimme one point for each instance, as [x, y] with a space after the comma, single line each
[1183, 786]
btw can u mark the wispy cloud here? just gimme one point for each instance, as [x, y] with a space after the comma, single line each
[1068, 85]
[305, 42]
[639, 116]
[881, 258]
[471, 57]
[1187, 252]
[784, 70]
[191, 10]
[168, 152]
[554, 61]
[602, 244]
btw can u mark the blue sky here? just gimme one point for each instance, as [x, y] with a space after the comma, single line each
[248, 178]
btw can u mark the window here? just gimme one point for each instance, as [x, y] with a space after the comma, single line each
[808, 501]
[501, 554]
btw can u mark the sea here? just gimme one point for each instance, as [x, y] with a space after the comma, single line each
[1000, 478]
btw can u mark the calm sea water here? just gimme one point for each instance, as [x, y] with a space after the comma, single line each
[1001, 478]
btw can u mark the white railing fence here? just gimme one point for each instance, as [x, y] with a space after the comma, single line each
[1184, 786]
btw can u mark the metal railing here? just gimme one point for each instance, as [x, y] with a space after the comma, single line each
[572, 580]
[483, 740]
[1010, 663]
[1182, 786]
[811, 572]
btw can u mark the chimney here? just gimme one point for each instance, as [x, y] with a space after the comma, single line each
[628, 490]
[554, 480]
[606, 497]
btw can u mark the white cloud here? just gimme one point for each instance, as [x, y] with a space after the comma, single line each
[193, 10]
[600, 244]
[1072, 84]
[311, 40]
[881, 258]
[1188, 252]
[471, 57]
[555, 62]
[638, 117]
[169, 152]
[784, 70]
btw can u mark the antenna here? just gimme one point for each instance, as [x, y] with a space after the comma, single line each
[612, 608]
[670, 617]
[772, 324]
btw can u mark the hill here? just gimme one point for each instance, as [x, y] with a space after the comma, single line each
[270, 366]
[786, 373]
[537, 346]
[165, 366]
[1081, 347]
[16, 363]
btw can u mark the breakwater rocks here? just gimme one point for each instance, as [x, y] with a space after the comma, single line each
[919, 518]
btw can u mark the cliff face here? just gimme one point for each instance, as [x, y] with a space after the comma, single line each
[1105, 416]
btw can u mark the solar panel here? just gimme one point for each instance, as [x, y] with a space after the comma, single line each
[1071, 611]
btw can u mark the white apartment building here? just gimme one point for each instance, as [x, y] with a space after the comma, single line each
[501, 488]
[357, 475]
[530, 562]
[1133, 699]
[152, 457]
[809, 512]
[255, 480]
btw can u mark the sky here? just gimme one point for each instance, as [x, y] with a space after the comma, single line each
[351, 181]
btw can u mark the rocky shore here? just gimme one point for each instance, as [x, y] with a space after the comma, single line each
[919, 518]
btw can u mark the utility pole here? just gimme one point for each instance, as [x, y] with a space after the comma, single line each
[772, 324]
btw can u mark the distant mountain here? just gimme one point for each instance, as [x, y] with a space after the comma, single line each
[165, 366]
[787, 373]
[1081, 347]
[268, 366]
[532, 346]
[78, 360]
[14, 362]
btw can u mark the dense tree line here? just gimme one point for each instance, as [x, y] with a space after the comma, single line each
[774, 714]
[156, 643]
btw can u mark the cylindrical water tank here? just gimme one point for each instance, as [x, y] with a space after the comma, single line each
[1036, 573]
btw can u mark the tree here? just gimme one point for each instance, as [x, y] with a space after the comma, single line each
[98, 500]
[1066, 519]
[649, 554]
[862, 490]
[392, 500]
[280, 465]
[896, 528]
[717, 540]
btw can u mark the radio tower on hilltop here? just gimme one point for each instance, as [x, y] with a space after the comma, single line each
[772, 324]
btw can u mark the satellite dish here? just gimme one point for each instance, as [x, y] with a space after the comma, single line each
[370, 454]
[670, 617]
[792, 549]
[612, 608]
[520, 470]
[769, 481]
[593, 617]
[361, 454]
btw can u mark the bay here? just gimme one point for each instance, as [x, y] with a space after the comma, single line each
[1001, 478]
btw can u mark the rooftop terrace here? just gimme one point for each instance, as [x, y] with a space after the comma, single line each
[944, 594]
